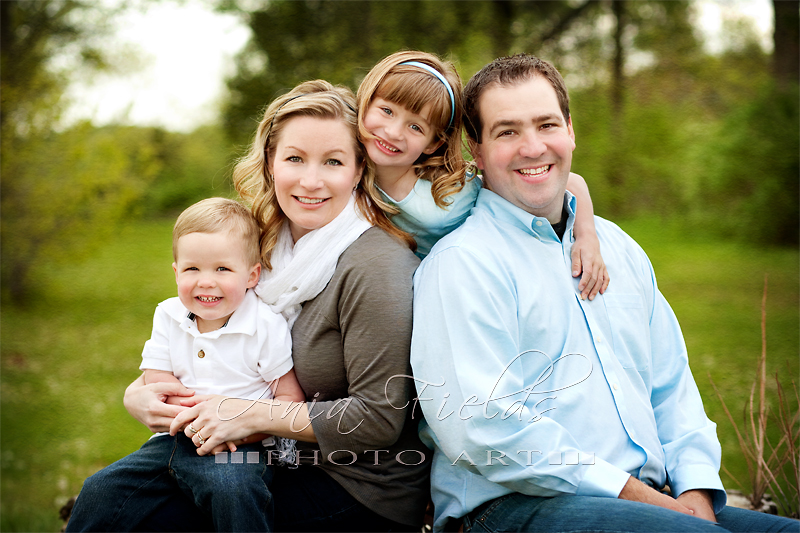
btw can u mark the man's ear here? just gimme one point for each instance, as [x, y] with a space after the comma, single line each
[255, 274]
[475, 150]
[571, 131]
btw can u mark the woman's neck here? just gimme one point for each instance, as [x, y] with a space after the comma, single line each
[397, 183]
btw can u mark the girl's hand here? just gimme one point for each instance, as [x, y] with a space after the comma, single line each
[586, 258]
[208, 431]
[147, 403]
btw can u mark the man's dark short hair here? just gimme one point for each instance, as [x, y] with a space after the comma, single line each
[508, 71]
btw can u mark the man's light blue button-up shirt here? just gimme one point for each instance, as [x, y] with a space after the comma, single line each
[527, 388]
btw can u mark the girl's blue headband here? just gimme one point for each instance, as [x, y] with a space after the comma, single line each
[441, 79]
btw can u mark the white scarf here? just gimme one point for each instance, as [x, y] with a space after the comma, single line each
[301, 270]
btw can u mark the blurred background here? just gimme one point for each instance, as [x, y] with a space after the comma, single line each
[117, 115]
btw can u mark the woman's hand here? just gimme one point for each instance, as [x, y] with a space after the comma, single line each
[211, 431]
[586, 258]
[147, 403]
[231, 445]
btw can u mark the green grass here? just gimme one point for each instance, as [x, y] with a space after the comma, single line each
[66, 360]
[68, 355]
[715, 289]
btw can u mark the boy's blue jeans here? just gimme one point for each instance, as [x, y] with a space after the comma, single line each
[517, 512]
[234, 495]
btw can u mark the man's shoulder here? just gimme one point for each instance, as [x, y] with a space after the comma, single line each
[470, 237]
[613, 237]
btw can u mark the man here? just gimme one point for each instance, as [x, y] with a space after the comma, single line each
[547, 412]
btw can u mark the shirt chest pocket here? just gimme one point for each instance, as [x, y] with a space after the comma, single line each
[630, 329]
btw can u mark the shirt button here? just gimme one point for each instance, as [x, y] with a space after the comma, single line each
[201, 354]
[616, 387]
[538, 222]
[599, 340]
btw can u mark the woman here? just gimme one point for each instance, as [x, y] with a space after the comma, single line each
[341, 273]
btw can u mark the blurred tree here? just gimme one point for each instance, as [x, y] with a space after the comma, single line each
[753, 189]
[192, 165]
[295, 41]
[632, 80]
[786, 61]
[59, 191]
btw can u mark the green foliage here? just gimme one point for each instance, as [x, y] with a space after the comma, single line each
[58, 190]
[753, 189]
[31, 34]
[193, 166]
[64, 192]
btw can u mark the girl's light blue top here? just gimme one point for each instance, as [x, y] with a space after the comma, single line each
[421, 217]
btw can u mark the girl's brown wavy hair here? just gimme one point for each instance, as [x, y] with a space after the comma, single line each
[413, 88]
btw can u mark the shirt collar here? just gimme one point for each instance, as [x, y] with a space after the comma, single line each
[501, 209]
[243, 320]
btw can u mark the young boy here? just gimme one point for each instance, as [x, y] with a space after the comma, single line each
[216, 337]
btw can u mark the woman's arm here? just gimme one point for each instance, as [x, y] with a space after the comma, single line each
[225, 423]
[219, 419]
[243, 421]
[586, 255]
[146, 403]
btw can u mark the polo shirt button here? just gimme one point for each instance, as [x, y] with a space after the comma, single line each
[201, 354]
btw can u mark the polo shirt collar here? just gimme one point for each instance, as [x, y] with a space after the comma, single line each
[243, 320]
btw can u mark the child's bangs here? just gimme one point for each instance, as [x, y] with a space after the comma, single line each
[414, 90]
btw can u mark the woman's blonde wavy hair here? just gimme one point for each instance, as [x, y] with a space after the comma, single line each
[413, 88]
[255, 185]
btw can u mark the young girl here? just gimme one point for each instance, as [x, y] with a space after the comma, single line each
[409, 119]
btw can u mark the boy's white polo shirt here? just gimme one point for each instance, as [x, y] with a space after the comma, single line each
[238, 359]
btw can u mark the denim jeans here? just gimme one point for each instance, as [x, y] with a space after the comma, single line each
[305, 499]
[517, 512]
[232, 496]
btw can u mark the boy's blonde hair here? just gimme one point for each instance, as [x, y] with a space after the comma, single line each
[413, 88]
[255, 185]
[214, 215]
